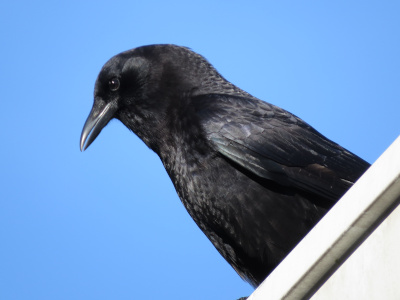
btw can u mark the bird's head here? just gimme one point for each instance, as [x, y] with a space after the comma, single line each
[137, 87]
[145, 86]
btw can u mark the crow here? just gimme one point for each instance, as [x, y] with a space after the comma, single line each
[254, 177]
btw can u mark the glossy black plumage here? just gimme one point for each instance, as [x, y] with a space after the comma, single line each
[254, 177]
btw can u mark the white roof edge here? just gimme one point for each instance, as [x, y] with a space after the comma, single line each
[339, 233]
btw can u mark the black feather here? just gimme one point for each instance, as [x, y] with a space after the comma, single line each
[254, 177]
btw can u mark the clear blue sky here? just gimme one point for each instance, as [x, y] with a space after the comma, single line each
[107, 223]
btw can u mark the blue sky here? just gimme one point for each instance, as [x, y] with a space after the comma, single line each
[107, 223]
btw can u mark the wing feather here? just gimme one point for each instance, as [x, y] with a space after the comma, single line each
[276, 145]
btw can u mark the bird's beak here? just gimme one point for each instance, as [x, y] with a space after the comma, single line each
[98, 118]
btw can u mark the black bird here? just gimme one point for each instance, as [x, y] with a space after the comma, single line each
[254, 177]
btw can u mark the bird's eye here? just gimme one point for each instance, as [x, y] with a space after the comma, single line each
[114, 84]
